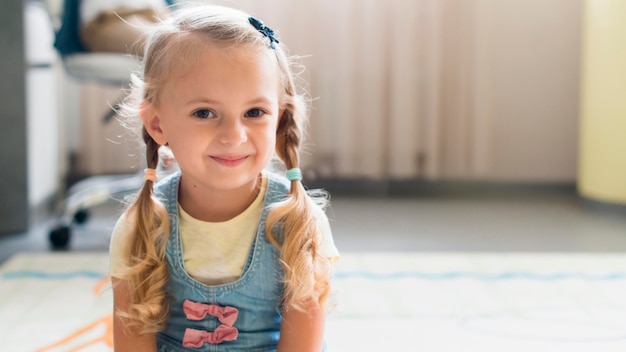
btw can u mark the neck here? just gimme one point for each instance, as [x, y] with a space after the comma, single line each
[217, 205]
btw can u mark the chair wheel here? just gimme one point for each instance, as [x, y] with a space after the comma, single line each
[81, 216]
[60, 237]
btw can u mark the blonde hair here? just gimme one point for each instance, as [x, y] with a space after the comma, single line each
[291, 225]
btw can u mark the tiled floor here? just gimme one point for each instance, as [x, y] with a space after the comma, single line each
[555, 222]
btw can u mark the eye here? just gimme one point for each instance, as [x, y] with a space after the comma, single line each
[255, 113]
[203, 114]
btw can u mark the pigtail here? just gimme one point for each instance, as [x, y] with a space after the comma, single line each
[146, 266]
[292, 225]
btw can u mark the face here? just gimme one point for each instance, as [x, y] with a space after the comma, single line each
[219, 118]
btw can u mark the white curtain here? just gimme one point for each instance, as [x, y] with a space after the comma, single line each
[434, 88]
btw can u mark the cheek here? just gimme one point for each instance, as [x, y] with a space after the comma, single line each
[271, 134]
[271, 143]
[180, 140]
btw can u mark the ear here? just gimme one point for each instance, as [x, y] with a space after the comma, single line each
[152, 122]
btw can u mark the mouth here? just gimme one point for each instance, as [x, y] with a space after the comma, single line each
[230, 161]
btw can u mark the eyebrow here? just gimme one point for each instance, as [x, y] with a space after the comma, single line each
[201, 101]
[258, 100]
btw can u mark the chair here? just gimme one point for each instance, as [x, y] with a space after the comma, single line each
[83, 66]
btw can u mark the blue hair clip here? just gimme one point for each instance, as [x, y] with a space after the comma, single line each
[265, 30]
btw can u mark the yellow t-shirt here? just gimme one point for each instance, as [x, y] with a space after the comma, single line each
[215, 253]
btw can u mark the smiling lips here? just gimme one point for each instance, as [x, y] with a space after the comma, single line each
[230, 161]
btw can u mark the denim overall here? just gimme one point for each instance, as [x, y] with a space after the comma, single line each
[244, 315]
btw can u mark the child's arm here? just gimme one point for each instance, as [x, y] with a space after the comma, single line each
[302, 331]
[122, 340]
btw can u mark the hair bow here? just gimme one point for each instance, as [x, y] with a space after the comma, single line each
[265, 30]
[196, 338]
[198, 311]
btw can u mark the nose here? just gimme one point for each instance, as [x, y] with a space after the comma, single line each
[232, 132]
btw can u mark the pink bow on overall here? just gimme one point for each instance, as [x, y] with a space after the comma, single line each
[198, 311]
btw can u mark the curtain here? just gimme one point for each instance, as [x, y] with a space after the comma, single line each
[434, 89]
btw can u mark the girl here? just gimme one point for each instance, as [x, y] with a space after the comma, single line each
[223, 255]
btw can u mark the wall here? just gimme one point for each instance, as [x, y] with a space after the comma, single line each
[13, 164]
[444, 90]
[603, 106]
[455, 89]
[105, 147]
[44, 173]
[29, 140]
[509, 108]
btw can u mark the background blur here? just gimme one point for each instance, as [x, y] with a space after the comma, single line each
[460, 90]
[474, 151]
[413, 92]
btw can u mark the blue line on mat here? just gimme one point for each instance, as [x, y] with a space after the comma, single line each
[457, 275]
[51, 276]
[443, 276]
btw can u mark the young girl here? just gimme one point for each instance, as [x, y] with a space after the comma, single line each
[223, 255]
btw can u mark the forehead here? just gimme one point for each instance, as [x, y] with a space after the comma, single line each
[216, 69]
[192, 49]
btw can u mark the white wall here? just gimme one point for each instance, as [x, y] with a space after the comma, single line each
[42, 113]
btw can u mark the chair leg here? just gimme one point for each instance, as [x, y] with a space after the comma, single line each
[85, 194]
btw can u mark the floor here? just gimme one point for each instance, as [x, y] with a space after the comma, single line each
[534, 222]
[514, 271]
[382, 301]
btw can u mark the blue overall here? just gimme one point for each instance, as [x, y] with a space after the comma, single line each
[256, 295]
